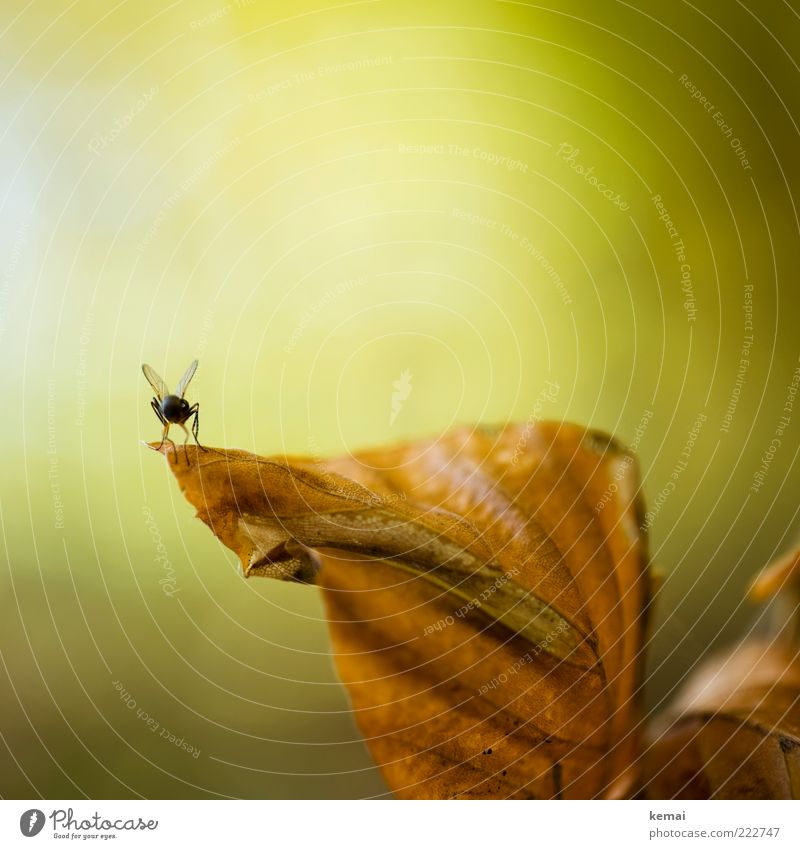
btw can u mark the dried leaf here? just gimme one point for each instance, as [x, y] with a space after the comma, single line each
[486, 595]
[779, 586]
[734, 732]
[781, 576]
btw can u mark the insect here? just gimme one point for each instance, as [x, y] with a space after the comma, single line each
[173, 408]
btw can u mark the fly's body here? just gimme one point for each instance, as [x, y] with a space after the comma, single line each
[173, 408]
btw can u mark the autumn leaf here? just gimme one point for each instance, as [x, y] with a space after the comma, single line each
[734, 732]
[486, 594]
[779, 585]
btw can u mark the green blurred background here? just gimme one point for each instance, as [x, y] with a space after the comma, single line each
[313, 198]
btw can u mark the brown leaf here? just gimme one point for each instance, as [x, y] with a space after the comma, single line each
[734, 732]
[486, 594]
[779, 585]
[781, 576]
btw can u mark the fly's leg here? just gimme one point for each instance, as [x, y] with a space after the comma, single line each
[154, 404]
[157, 410]
[185, 449]
[195, 411]
[165, 438]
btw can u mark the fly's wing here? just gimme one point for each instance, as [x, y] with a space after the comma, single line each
[183, 383]
[156, 382]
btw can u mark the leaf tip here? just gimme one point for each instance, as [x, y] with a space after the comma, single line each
[782, 574]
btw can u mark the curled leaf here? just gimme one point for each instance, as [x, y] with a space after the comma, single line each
[734, 732]
[782, 574]
[779, 586]
[486, 595]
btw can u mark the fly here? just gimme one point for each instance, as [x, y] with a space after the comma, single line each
[173, 408]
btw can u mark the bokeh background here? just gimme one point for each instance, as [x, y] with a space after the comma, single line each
[314, 198]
